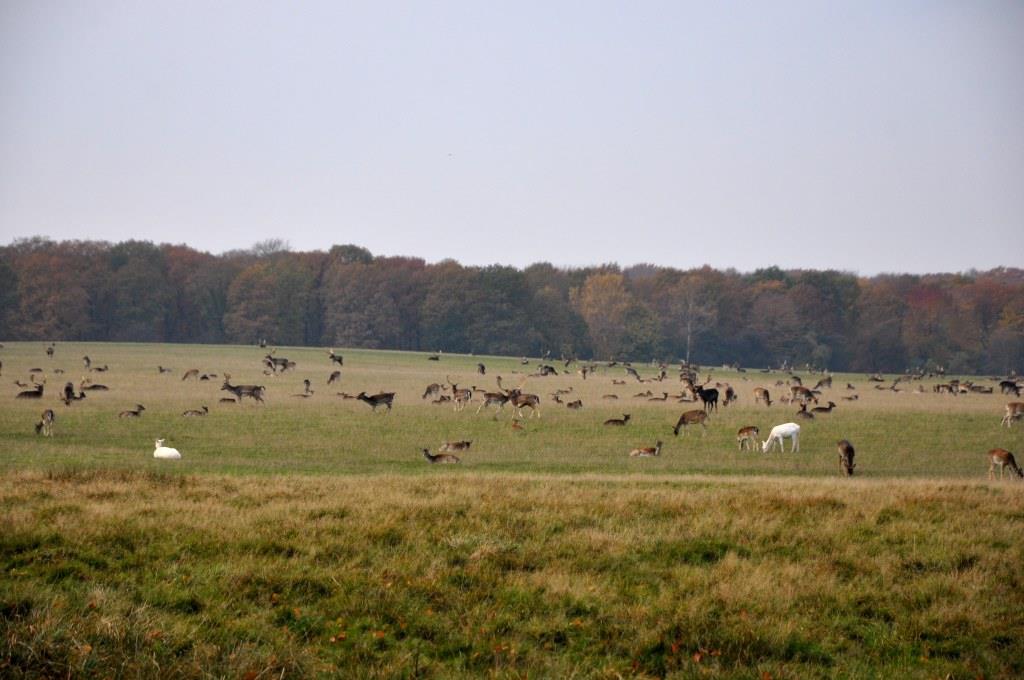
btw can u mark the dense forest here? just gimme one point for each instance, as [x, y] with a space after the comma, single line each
[347, 297]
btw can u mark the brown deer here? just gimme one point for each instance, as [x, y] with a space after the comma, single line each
[255, 392]
[440, 458]
[846, 454]
[433, 389]
[460, 397]
[334, 377]
[336, 358]
[646, 451]
[747, 436]
[695, 417]
[455, 446]
[1014, 411]
[161, 370]
[45, 424]
[575, 405]
[802, 394]
[190, 373]
[89, 386]
[132, 413]
[34, 393]
[761, 394]
[520, 400]
[663, 397]
[1002, 458]
[824, 382]
[196, 413]
[498, 399]
[618, 422]
[379, 399]
[824, 409]
[804, 413]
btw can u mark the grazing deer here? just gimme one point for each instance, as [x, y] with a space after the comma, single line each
[336, 358]
[1014, 411]
[802, 394]
[747, 437]
[824, 382]
[379, 399]
[646, 451]
[255, 392]
[761, 394]
[161, 370]
[334, 377]
[1009, 387]
[618, 422]
[190, 373]
[456, 446]
[779, 434]
[1003, 459]
[34, 393]
[45, 424]
[632, 371]
[575, 405]
[846, 453]
[695, 417]
[824, 409]
[433, 389]
[193, 413]
[440, 458]
[132, 413]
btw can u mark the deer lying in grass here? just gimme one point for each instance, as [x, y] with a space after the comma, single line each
[747, 436]
[255, 392]
[194, 413]
[1002, 458]
[575, 405]
[34, 393]
[379, 399]
[618, 422]
[646, 451]
[779, 434]
[440, 458]
[89, 386]
[132, 413]
[1014, 411]
[455, 446]
[45, 424]
[846, 454]
[161, 370]
[804, 413]
[824, 409]
[695, 417]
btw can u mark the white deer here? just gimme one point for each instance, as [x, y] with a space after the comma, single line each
[165, 452]
[778, 434]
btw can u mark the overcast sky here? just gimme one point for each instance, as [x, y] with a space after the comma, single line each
[864, 136]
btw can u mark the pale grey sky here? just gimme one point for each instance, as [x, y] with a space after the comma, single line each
[866, 136]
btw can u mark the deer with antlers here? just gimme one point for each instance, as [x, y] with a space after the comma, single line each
[460, 397]
[519, 400]
[255, 392]
[336, 358]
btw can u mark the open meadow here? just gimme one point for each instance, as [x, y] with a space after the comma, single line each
[308, 535]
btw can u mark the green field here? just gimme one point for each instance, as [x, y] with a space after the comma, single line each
[308, 536]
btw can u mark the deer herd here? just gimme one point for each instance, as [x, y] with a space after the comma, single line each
[708, 397]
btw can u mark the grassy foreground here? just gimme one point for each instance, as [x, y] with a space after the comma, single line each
[307, 537]
[136, 574]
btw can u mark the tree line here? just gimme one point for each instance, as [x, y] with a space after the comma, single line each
[347, 297]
